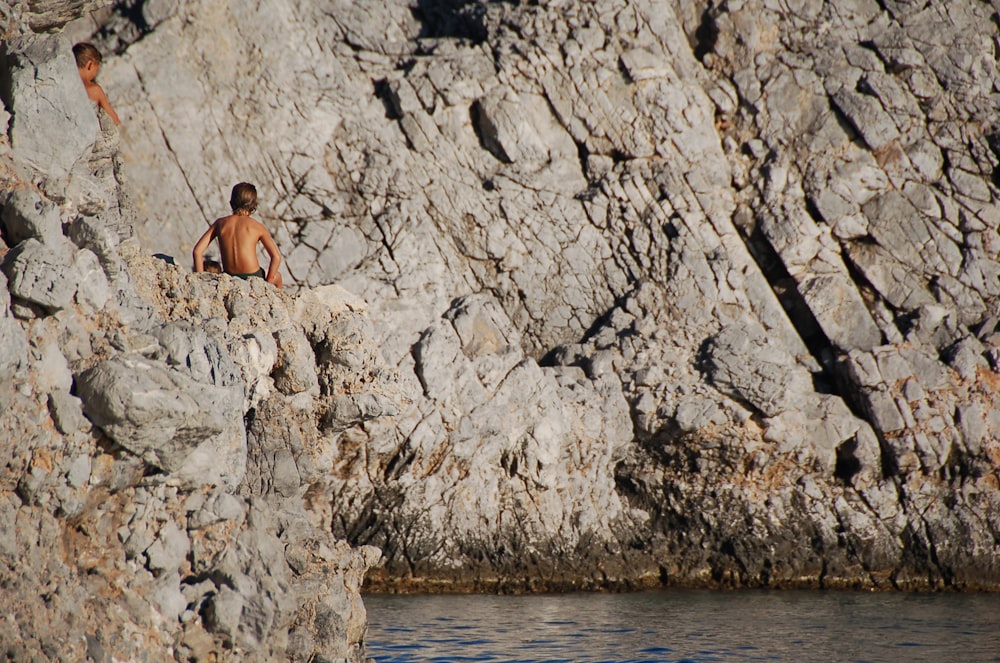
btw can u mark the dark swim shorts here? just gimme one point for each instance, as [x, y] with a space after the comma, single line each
[259, 273]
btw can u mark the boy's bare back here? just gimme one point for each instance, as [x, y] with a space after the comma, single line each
[238, 235]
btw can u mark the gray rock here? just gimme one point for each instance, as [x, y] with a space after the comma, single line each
[155, 12]
[13, 346]
[192, 351]
[869, 118]
[26, 214]
[67, 412]
[285, 479]
[49, 14]
[156, 412]
[743, 361]
[90, 233]
[219, 508]
[840, 312]
[79, 471]
[43, 76]
[167, 596]
[93, 289]
[255, 354]
[967, 356]
[507, 129]
[295, 369]
[544, 313]
[898, 226]
[694, 413]
[220, 461]
[224, 612]
[43, 274]
[168, 550]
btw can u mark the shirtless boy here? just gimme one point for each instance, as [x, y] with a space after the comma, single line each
[238, 235]
[88, 63]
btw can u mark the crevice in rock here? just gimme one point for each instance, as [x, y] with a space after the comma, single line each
[623, 72]
[132, 10]
[395, 467]
[993, 141]
[706, 34]
[848, 126]
[384, 95]
[786, 290]
[127, 25]
[385, 240]
[847, 465]
[5, 80]
[358, 529]
[461, 19]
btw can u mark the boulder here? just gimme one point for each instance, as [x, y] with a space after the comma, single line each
[26, 215]
[154, 411]
[43, 274]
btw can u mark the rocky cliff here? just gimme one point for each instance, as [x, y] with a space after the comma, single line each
[166, 437]
[685, 292]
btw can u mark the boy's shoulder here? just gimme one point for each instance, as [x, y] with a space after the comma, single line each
[238, 220]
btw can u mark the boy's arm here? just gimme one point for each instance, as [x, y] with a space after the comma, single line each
[272, 252]
[98, 95]
[198, 252]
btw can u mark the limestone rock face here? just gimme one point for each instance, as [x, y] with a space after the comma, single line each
[133, 522]
[158, 413]
[697, 293]
[702, 292]
[41, 112]
[45, 15]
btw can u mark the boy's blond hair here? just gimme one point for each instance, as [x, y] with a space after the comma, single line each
[244, 198]
[85, 52]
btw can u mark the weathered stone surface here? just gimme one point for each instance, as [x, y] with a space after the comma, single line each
[13, 345]
[67, 412]
[43, 274]
[90, 233]
[155, 489]
[27, 215]
[764, 246]
[507, 128]
[153, 411]
[673, 295]
[742, 360]
[94, 289]
[49, 14]
[60, 107]
[295, 370]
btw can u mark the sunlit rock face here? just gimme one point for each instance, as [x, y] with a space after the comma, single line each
[164, 469]
[678, 292]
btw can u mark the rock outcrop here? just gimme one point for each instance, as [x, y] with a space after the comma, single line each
[690, 293]
[683, 293]
[687, 292]
[156, 502]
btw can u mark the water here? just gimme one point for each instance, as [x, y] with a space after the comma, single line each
[685, 627]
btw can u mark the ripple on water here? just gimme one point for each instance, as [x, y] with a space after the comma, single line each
[684, 627]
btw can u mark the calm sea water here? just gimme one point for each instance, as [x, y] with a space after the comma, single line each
[686, 626]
